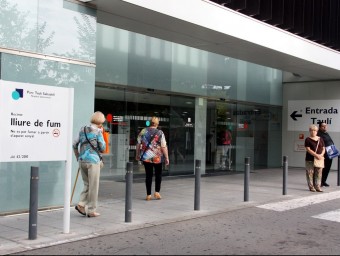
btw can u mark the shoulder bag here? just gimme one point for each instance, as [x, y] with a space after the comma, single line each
[332, 151]
[95, 149]
[318, 163]
[147, 146]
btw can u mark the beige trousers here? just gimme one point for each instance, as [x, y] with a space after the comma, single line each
[89, 196]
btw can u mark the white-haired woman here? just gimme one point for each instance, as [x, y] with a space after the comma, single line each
[315, 148]
[87, 148]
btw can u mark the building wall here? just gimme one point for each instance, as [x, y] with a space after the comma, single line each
[40, 47]
[311, 91]
[127, 58]
[223, 26]
[134, 60]
[55, 43]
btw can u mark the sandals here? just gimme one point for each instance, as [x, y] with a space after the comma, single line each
[80, 209]
[157, 195]
[93, 214]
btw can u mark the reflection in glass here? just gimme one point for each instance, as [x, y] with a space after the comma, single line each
[35, 26]
[51, 180]
[236, 131]
[177, 119]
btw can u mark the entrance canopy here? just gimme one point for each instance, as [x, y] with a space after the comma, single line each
[205, 25]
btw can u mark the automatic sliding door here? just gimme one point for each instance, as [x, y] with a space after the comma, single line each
[221, 136]
[130, 112]
[141, 107]
[181, 138]
[112, 103]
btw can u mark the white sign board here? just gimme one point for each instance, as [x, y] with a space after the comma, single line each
[35, 122]
[303, 113]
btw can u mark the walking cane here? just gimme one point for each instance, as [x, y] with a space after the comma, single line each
[74, 186]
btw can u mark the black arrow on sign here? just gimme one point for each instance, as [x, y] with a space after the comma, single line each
[294, 115]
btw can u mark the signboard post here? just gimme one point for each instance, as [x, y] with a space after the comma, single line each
[36, 125]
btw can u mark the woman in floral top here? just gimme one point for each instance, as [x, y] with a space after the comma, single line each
[151, 148]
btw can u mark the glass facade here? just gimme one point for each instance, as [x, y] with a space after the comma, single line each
[51, 180]
[129, 59]
[156, 77]
[194, 129]
[35, 27]
[199, 96]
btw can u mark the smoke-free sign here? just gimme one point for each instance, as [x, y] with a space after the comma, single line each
[35, 122]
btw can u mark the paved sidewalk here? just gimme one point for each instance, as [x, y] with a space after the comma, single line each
[218, 193]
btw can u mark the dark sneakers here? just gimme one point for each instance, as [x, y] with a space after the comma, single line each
[324, 184]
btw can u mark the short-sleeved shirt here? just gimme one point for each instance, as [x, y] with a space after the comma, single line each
[151, 141]
[312, 145]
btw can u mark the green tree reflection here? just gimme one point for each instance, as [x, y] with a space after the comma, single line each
[17, 33]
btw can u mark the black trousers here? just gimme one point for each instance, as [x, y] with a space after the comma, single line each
[149, 168]
[325, 171]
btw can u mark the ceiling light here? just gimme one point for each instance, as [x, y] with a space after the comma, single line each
[85, 1]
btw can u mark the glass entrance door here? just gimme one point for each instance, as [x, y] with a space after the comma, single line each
[233, 131]
[181, 137]
[129, 112]
[236, 131]
[221, 136]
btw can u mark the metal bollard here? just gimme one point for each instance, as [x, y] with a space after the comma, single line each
[338, 170]
[197, 185]
[285, 175]
[33, 209]
[246, 178]
[128, 191]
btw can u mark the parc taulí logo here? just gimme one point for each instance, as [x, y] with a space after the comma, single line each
[17, 94]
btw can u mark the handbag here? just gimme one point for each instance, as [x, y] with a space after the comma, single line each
[319, 163]
[95, 149]
[332, 151]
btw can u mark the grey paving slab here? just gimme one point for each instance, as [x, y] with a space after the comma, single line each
[218, 193]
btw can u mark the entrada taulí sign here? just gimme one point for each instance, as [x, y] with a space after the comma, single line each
[302, 113]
